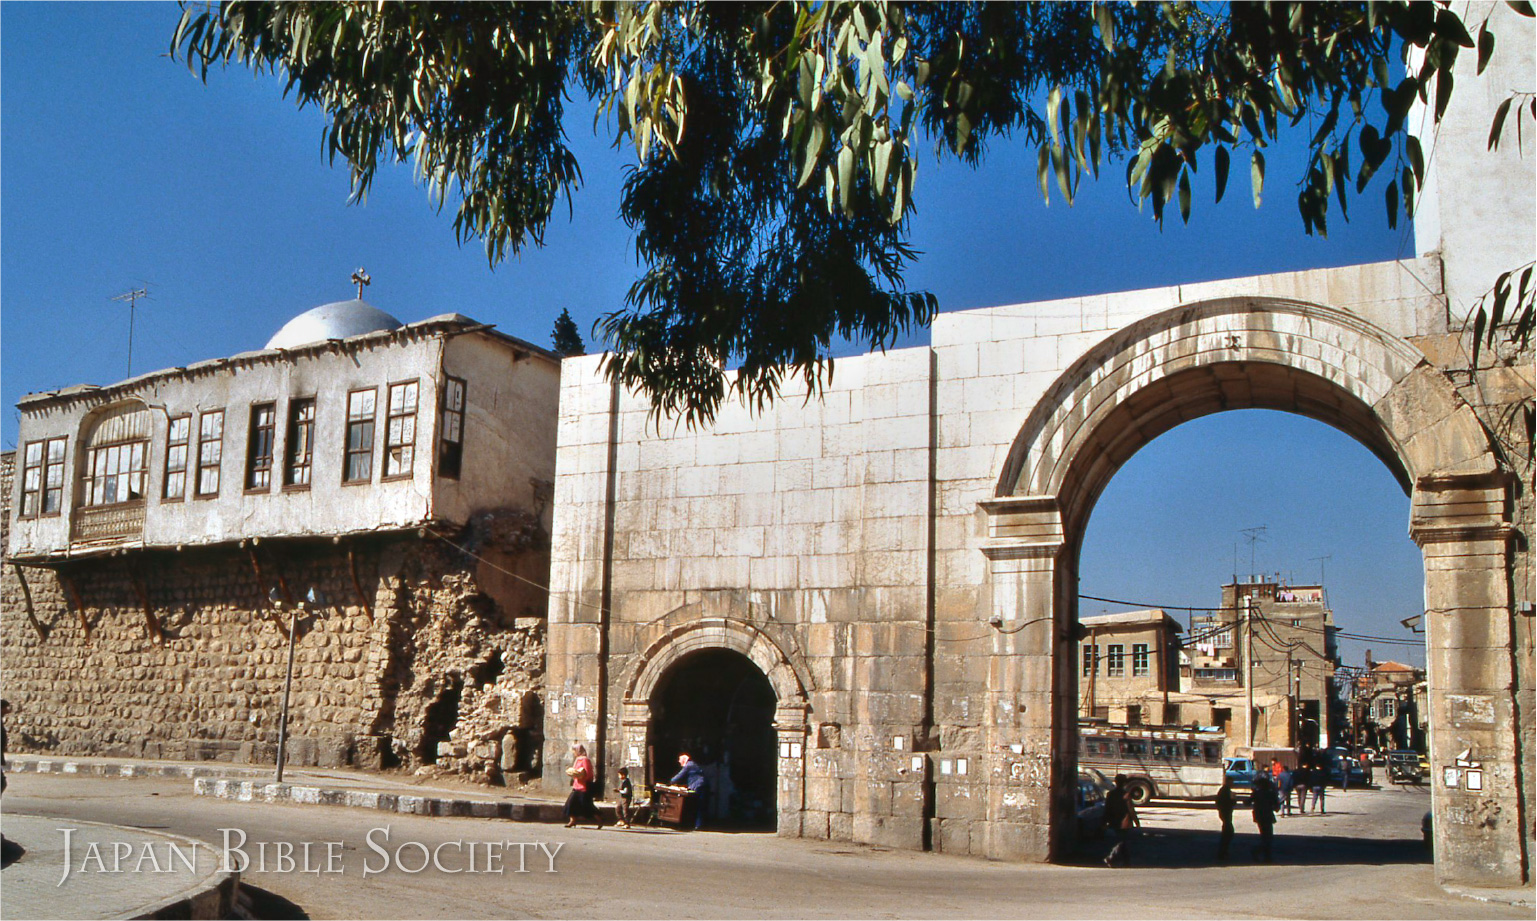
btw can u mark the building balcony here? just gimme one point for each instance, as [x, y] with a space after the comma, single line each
[105, 523]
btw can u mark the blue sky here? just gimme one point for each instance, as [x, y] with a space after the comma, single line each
[119, 169]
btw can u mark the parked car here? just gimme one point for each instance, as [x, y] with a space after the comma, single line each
[1341, 761]
[1090, 803]
[1404, 767]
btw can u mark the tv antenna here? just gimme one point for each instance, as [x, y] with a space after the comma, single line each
[1253, 536]
[132, 297]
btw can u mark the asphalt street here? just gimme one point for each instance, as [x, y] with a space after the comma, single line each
[1362, 860]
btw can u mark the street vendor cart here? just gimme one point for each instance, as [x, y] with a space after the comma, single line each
[670, 804]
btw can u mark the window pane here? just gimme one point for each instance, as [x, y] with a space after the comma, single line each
[34, 452]
[56, 451]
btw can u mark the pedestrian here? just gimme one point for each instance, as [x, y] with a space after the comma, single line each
[625, 798]
[1302, 778]
[1263, 806]
[579, 804]
[1275, 770]
[691, 775]
[1284, 789]
[1319, 778]
[1225, 802]
[1121, 817]
[5, 711]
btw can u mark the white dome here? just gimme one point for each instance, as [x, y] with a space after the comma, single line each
[332, 321]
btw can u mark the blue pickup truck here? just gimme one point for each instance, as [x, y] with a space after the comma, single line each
[1240, 771]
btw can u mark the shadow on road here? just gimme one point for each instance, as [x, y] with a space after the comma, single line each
[10, 852]
[262, 905]
[1175, 848]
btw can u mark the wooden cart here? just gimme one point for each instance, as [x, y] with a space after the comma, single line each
[670, 804]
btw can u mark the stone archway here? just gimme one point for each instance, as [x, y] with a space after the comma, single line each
[1332, 366]
[638, 720]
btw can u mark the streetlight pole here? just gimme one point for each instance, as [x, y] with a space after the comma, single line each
[288, 683]
[312, 599]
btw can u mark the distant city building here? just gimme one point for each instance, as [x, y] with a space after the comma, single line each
[1127, 663]
[1390, 706]
[1292, 635]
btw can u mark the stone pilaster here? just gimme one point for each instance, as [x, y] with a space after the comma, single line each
[1461, 525]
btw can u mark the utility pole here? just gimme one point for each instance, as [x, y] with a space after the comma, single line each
[1093, 667]
[132, 297]
[1248, 665]
[1294, 672]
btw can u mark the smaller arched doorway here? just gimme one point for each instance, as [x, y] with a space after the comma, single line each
[719, 707]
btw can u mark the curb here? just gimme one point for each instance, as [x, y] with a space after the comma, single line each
[1520, 898]
[247, 791]
[111, 769]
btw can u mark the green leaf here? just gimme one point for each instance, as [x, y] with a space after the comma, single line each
[1520, 6]
[1221, 158]
[846, 177]
[1392, 197]
[884, 151]
[1257, 175]
[1498, 125]
[1416, 157]
[1449, 27]
[1485, 46]
[1043, 172]
[1053, 104]
[1443, 92]
[1184, 195]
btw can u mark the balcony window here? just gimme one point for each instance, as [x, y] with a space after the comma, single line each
[114, 474]
[42, 478]
[359, 463]
[300, 452]
[400, 430]
[451, 427]
[177, 438]
[210, 452]
[260, 445]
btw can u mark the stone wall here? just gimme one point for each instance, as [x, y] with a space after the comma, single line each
[181, 654]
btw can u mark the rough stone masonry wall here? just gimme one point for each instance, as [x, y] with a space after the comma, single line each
[430, 663]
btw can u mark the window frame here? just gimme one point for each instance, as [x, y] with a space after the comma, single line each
[258, 465]
[217, 465]
[1115, 660]
[390, 416]
[446, 416]
[1090, 659]
[171, 444]
[348, 452]
[90, 476]
[1140, 660]
[43, 466]
[291, 443]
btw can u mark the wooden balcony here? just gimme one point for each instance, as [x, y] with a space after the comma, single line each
[105, 523]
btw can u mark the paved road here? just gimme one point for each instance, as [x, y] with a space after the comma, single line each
[1362, 861]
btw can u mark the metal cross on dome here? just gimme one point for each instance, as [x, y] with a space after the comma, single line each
[361, 279]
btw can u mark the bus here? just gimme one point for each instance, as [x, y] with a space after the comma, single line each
[1163, 763]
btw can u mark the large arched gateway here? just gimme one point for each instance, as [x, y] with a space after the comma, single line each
[897, 554]
[1241, 353]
